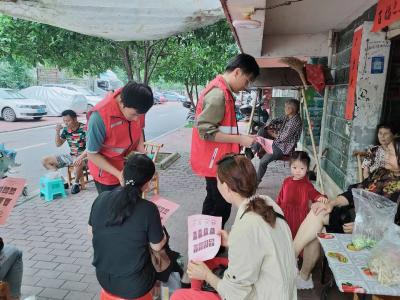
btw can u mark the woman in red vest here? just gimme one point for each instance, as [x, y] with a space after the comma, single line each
[115, 130]
[216, 132]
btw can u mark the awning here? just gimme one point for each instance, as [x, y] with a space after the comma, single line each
[120, 20]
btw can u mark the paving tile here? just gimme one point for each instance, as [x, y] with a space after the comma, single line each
[79, 296]
[70, 276]
[48, 274]
[74, 286]
[60, 252]
[67, 268]
[54, 293]
[65, 260]
[50, 283]
[29, 290]
[46, 265]
[43, 257]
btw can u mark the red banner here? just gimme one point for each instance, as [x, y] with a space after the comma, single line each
[10, 190]
[351, 92]
[387, 12]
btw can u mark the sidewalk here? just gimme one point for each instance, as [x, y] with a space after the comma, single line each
[57, 251]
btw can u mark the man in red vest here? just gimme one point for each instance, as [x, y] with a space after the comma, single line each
[215, 133]
[115, 130]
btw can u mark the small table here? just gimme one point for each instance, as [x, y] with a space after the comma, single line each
[350, 267]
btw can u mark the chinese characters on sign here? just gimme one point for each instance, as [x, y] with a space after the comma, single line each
[387, 12]
[165, 207]
[10, 190]
[351, 92]
[204, 241]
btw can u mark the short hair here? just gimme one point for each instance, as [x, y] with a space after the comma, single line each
[387, 126]
[69, 112]
[295, 103]
[301, 156]
[246, 63]
[138, 96]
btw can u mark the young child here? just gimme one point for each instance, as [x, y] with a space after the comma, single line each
[297, 191]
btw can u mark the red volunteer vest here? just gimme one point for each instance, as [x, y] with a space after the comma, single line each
[122, 137]
[204, 154]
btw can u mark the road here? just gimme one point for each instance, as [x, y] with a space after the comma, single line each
[32, 144]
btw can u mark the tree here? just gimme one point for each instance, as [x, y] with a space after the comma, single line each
[40, 43]
[196, 57]
[14, 74]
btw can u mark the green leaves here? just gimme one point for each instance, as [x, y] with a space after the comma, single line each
[191, 58]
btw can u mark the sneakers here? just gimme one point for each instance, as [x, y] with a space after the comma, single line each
[249, 153]
[304, 284]
[75, 189]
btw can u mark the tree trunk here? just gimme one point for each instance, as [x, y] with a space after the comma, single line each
[190, 92]
[127, 62]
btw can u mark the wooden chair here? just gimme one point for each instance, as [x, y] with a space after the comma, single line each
[84, 179]
[152, 150]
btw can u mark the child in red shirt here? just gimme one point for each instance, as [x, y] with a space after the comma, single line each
[297, 191]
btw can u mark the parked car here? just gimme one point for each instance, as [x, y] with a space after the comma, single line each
[15, 106]
[90, 96]
[173, 96]
[158, 98]
[57, 99]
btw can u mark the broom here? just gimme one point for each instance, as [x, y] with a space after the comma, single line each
[298, 65]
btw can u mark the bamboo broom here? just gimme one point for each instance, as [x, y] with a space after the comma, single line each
[298, 65]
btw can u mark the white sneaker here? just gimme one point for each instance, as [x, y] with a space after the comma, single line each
[304, 284]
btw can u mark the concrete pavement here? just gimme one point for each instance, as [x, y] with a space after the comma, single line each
[57, 251]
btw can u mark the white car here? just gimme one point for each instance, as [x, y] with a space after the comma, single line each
[15, 106]
[57, 99]
[90, 96]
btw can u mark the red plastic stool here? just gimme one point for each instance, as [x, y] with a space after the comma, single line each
[107, 296]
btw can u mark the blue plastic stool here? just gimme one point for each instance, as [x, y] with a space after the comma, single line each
[51, 187]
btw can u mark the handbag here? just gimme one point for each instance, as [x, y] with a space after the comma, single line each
[162, 261]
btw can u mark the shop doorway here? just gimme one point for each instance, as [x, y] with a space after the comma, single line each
[391, 103]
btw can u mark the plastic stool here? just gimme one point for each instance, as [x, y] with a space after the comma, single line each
[51, 187]
[107, 296]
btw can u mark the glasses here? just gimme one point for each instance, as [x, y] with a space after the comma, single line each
[228, 157]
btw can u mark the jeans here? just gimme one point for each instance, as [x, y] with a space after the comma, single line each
[266, 159]
[103, 187]
[214, 204]
[11, 268]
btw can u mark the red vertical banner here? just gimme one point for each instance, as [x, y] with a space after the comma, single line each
[351, 92]
[387, 12]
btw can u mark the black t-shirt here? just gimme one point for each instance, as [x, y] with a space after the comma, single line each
[123, 250]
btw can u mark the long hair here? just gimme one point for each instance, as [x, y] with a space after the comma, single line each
[239, 174]
[138, 170]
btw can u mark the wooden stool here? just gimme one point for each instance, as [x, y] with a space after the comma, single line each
[84, 179]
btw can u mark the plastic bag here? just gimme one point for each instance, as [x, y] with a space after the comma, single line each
[385, 257]
[374, 214]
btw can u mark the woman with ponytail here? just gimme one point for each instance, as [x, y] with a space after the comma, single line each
[124, 226]
[261, 254]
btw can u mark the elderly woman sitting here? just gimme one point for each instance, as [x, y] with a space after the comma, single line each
[336, 215]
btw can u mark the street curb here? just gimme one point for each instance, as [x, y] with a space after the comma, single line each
[169, 160]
